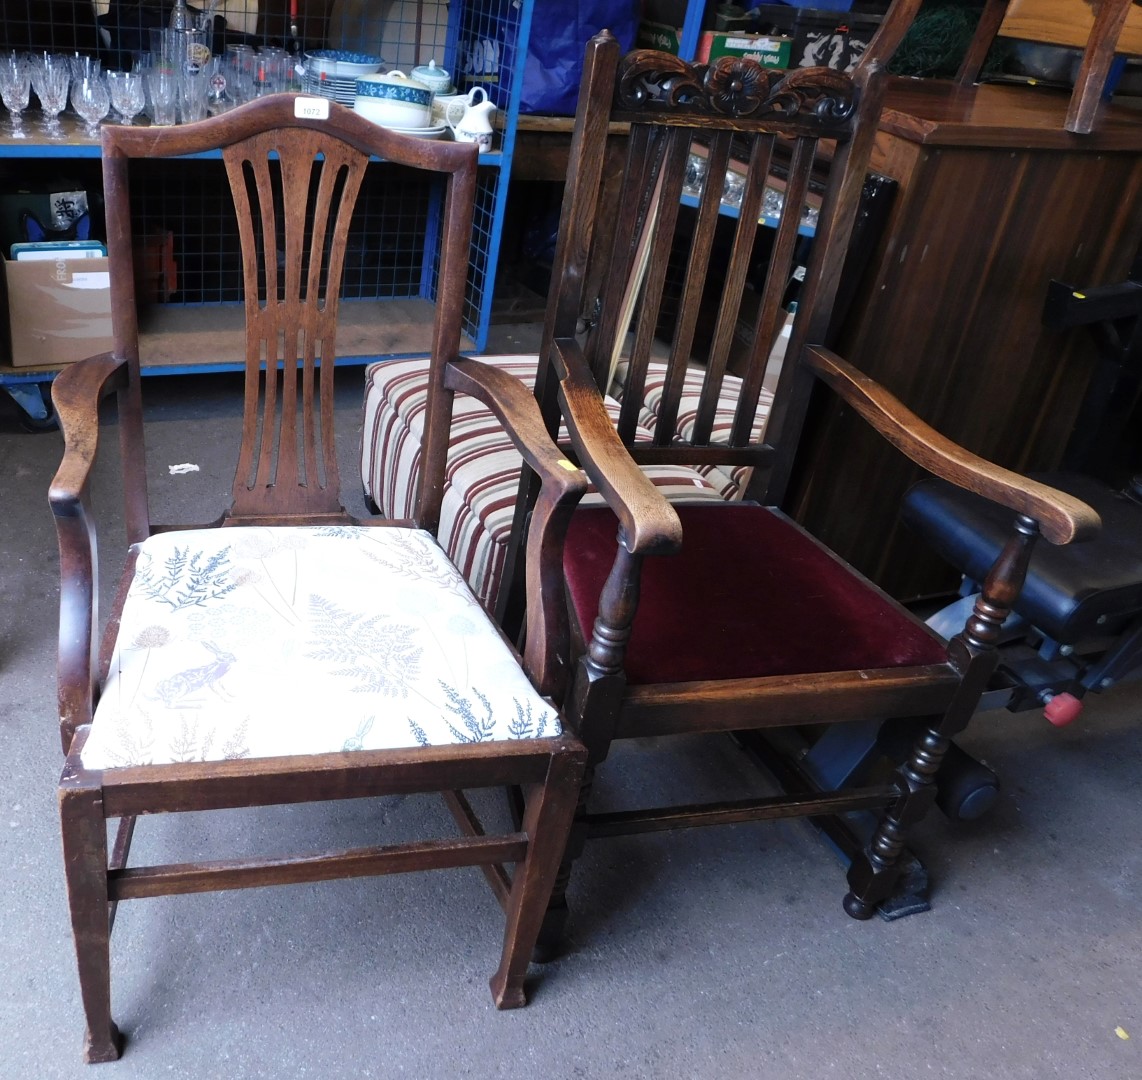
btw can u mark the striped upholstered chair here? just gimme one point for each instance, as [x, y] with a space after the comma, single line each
[482, 479]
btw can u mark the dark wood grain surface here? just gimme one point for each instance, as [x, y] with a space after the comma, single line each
[994, 202]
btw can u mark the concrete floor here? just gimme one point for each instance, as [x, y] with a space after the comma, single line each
[722, 953]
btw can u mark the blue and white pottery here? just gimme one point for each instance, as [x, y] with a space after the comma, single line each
[435, 78]
[341, 63]
[394, 100]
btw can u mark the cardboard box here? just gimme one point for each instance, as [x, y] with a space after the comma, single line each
[821, 38]
[766, 49]
[59, 310]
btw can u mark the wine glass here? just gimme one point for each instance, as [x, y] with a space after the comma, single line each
[83, 66]
[128, 97]
[50, 78]
[15, 90]
[90, 98]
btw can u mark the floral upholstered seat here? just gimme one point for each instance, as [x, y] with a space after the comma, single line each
[231, 646]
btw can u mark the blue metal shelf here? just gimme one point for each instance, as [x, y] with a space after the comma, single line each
[490, 28]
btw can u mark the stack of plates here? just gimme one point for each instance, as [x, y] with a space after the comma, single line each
[335, 87]
[333, 73]
[421, 132]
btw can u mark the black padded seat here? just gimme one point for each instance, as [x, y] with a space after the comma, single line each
[1069, 588]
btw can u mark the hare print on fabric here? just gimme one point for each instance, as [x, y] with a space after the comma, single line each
[181, 689]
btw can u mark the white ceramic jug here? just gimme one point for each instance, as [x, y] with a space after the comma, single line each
[475, 123]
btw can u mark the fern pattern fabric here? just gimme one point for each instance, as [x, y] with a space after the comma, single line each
[263, 642]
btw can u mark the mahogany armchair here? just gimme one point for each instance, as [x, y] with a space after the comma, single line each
[716, 617]
[286, 652]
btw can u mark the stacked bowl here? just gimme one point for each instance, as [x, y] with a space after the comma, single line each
[396, 101]
[333, 73]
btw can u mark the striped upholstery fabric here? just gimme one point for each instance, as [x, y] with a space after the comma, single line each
[483, 467]
[731, 483]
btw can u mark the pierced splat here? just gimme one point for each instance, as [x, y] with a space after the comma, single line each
[293, 209]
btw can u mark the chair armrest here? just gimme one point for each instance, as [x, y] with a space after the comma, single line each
[546, 647]
[515, 407]
[76, 394]
[1061, 517]
[649, 523]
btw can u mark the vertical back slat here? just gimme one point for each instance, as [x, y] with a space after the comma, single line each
[834, 230]
[632, 215]
[698, 270]
[665, 212]
[745, 238]
[300, 190]
[776, 280]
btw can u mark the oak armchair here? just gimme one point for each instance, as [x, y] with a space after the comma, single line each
[727, 617]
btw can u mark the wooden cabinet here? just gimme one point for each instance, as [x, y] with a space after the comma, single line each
[995, 200]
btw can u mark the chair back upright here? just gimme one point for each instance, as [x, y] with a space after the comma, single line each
[295, 184]
[713, 150]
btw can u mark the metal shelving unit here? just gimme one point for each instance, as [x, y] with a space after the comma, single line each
[482, 42]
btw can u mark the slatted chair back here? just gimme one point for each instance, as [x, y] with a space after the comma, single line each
[730, 169]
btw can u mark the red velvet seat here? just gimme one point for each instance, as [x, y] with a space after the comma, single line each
[698, 609]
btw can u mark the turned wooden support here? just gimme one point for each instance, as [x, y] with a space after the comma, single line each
[874, 872]
[598, 691]
[1000, 590]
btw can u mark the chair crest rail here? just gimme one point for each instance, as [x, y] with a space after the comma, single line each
[736, 87]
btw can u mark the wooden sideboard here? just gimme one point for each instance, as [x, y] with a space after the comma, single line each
[995, 200]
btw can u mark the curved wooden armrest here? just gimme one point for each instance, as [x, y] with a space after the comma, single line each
[649, 523]
[76, 394]
[1061, 517]
[515, 407]
[546, 647]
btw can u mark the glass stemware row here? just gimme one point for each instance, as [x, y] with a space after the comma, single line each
[167, 92]
[50, 76]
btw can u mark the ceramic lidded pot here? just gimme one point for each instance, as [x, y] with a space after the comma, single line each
[393, 100]
[435, 78]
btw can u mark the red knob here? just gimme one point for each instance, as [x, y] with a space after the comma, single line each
[1062, 709]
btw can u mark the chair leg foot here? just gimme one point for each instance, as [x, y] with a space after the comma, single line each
[875, 870]
[857, 908]
[108, 1048]
[549, 811]
[505, 994]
